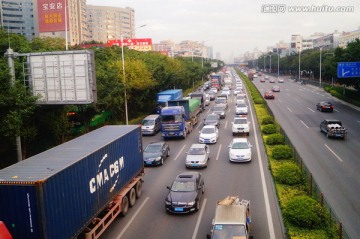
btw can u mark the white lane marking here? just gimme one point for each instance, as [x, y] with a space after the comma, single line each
[263, 182]
[198, 125]
[336, 110]
[310, 109]
[179, 152]
[132, 218]
[304, 124]
[358, 121]
[218, 153]
[297, 100]
[225, 125]
[279, 100]
[199, 219]
[289, 109]
[333, 153]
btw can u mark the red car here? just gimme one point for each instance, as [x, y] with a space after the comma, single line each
[269, 95]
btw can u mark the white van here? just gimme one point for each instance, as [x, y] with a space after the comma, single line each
[151, 124]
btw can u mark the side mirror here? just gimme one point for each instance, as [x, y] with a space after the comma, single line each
[208, 236]
[168, 187]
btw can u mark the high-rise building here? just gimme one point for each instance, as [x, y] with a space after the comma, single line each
[65, 19]
[19, 17]
[348, 37]
[108, 23]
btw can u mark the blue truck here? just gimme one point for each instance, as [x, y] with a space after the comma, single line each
[179, 118]
[163, 97]
[76, 189]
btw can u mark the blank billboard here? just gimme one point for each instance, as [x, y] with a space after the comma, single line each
[63, 77]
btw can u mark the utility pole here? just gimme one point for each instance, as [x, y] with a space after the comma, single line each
[10, 54]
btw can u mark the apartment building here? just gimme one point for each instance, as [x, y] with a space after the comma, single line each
[19, 17]
[109, 23]
[348, 37]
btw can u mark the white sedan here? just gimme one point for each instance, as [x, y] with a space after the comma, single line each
[240, 150]
[209, 134]
[197, 156]
[240, 125]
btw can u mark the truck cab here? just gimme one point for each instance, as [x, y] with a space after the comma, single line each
[232, 219]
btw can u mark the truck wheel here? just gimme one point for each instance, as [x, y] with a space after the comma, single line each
[185, 133]
[124, 206]
[132, 197]
[197, 206]
[138, 189]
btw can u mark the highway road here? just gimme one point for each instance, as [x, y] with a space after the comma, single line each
[252, 181]
[334, 163]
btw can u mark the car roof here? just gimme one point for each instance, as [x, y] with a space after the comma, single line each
[198, 146]
[209, 126]
[239, 140]
[156, 143]
[187, 176]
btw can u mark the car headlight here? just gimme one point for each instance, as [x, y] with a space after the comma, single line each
[191, 203]
[157, 159]
[232, 155]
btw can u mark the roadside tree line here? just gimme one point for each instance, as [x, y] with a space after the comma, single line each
[41, 127]
[310, 63]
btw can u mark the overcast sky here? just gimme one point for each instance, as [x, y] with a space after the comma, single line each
[233, 27]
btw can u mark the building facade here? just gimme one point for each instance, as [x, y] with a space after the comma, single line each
[109, 23]
[19, 17]
[348, 37]
[65, 19]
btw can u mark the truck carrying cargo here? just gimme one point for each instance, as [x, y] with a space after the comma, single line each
[232, 219]
[76, 189]
[201, 96]
[179, 118]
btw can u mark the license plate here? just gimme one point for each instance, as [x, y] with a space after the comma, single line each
[179, 209]
[194, 164]
[148, 162]
[171, 133]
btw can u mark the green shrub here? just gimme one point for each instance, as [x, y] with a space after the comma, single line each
[269, 129]
[288, 173]
[282, 152]
[305, 212]
[267, 120]
[258, 100]
[275, 139]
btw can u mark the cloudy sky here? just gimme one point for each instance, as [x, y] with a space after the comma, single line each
[233, 27]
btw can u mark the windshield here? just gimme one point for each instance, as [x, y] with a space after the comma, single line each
[229, 231]
[183, 186]
[240, 145]
[212, 117]
[172, 118]
[153, 148]
[240, 121]
[208, 131]
[196, 151]
[218, 108]
[148, 122]
[241, 105]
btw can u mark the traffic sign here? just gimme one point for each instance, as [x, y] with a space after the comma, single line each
[348, 69]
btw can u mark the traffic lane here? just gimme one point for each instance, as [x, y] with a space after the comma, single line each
[326, 178]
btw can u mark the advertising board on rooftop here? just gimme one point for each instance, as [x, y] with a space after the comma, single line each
[51, 15]
[139, 44]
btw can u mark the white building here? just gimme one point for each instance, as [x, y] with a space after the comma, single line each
[348, 37]
[109, 23]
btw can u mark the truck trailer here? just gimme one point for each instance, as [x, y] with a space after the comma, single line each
[179, 118]
[76, 189]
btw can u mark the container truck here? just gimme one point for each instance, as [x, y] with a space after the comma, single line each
[201, 96]
[163, 97]
[216, 81]
[178, 119]
[76, 189]
[232, 219]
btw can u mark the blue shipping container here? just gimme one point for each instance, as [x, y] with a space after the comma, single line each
[55, 194]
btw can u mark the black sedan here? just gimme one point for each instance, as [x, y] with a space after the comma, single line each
[325, 106]
[155, 153]
[212, 119]
[185, 193]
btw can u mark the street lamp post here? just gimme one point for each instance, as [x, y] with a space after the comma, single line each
[299, 62]
[124, 76]
[320, 67]
[123, 67]
[270, 64]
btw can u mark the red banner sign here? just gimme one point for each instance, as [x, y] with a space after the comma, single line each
[51, 15]
[140, 44]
